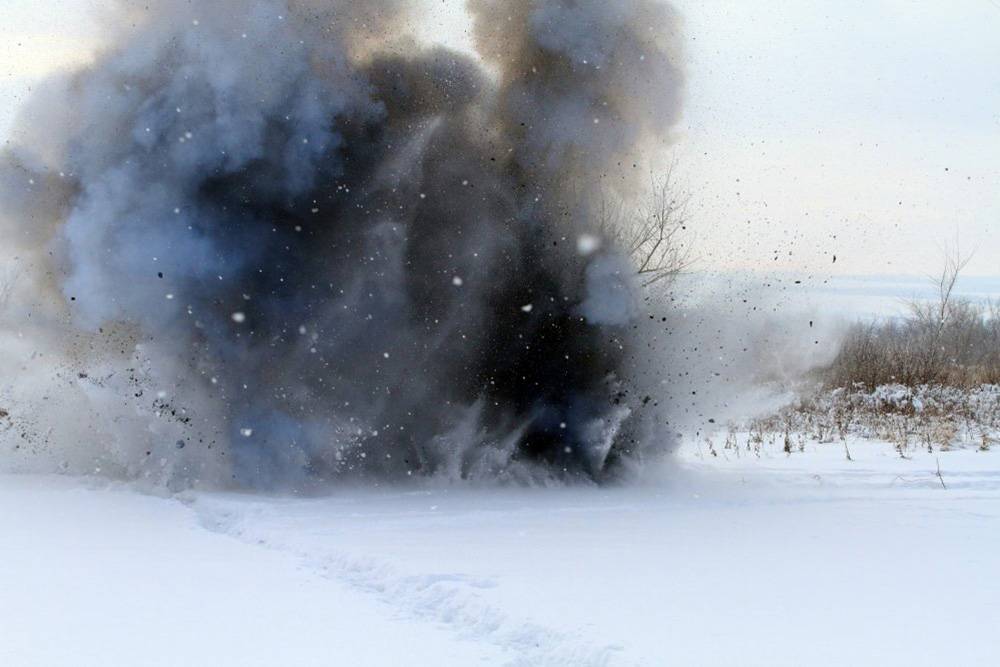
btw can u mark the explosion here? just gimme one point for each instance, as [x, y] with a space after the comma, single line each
[273, 243]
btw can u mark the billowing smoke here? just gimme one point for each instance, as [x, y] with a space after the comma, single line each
[274, 242]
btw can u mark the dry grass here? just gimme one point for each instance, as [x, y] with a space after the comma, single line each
[930, 379]
[931, 417]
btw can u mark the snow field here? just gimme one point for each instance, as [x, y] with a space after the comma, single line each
[765, 559]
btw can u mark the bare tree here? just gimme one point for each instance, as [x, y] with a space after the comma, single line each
[937, 313]
[946, 340]
[651, 233]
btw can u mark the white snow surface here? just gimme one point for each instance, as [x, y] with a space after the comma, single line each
[806, 559]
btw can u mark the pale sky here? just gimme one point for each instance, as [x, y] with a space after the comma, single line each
[866, 129]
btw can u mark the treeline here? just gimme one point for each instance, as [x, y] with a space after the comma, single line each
[951, 342]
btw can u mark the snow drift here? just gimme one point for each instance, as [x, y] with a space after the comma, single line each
[269, 243]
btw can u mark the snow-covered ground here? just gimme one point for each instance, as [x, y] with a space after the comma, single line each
[805, 559]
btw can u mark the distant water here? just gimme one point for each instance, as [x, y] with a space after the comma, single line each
[874, 296]
[828, 297]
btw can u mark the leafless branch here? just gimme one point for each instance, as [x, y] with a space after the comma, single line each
[940, 476]
[652, 234]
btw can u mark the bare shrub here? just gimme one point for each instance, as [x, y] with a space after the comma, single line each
[948, 341]
[651, 233]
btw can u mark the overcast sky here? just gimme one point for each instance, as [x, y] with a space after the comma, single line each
[866, 129]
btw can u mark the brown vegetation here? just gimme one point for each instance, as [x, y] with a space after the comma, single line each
[945, 341]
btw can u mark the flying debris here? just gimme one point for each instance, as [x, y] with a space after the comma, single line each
[296, 161]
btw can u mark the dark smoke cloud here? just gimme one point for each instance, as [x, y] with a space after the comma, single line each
[270, 243]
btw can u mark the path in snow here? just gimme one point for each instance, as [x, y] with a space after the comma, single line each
[801, 560]
[103, 577]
